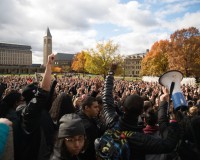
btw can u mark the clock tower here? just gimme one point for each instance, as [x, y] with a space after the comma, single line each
[47, 46]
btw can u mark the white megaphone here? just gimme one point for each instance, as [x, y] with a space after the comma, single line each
[172, 81]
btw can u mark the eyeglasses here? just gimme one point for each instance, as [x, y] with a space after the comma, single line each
[72, 140]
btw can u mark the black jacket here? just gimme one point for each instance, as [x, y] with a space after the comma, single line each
[140, 143]
[38, 129]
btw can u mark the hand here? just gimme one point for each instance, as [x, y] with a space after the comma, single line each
[165, 95]
[6, 121]
[128, 92]
[51, 58]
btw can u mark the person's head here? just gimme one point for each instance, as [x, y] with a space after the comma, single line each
[90, 106]
[62, 105]
[150, 117]
[193, 111]
[11, 101]
[147, 105]
[77, 102]
[72, 132]
[190, 103]
[29, 92]
[133, 105]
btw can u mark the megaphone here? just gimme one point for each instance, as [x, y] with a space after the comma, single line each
[172, 81]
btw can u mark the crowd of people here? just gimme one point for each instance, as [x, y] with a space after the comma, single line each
[62, 118]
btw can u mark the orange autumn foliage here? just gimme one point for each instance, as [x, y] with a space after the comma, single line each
[181, 52]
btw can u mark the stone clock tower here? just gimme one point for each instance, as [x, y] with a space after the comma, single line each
[47, 46]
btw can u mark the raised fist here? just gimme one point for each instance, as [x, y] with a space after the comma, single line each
[113, 67]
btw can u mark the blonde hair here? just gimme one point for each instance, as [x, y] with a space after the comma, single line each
[193, 111]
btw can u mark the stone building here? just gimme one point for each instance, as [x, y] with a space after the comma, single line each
[132, 64]
[17, 59]
[63, 59]
[15, 55]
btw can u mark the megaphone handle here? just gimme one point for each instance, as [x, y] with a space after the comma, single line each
[171, 89]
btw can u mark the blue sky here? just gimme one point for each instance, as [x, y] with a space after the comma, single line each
[80, 25]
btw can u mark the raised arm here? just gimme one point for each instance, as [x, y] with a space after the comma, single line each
[46, 81]
[32, 112]
[108, 112]
[163, 119]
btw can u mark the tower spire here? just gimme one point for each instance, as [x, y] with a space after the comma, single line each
[48, 32]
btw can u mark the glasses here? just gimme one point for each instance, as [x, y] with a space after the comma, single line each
[73, 140]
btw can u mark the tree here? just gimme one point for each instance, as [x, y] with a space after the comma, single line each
[181, 53]
[155, 62]
[100, 59]
[56, 69]
[78, 63]
[184, 54]
[146, 64]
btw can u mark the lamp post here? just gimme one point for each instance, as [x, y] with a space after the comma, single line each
[124, 73]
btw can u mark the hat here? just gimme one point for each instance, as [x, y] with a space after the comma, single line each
[133, 104]
[70, 125]
[29, 91]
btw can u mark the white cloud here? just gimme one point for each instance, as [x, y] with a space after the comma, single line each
[132, 16]
[137, 42]
[175, 7]
[71, 23]
[188, 20]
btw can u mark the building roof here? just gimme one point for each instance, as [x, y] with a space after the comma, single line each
[36, 65]
[64, 56]
[14, 46]
[136, 55]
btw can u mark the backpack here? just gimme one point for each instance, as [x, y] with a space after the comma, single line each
[113, 145]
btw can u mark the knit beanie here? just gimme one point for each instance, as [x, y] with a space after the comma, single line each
[133, 105]
[70, 125]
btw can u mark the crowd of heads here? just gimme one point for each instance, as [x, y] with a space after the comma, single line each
[73, 94]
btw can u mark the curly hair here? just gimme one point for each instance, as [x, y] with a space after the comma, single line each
[61, 105]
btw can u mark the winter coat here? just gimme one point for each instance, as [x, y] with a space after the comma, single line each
[140, 143]
[38, 138]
